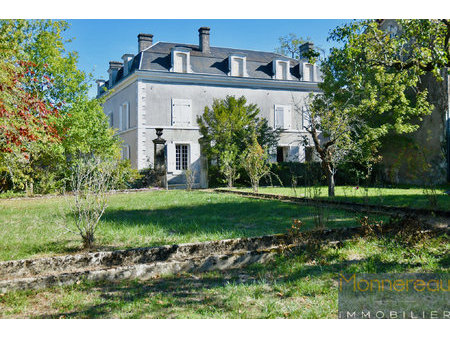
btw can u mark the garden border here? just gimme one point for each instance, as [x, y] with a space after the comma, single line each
[369, 208]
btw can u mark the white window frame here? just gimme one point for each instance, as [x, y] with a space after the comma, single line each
[308, 72]
[124, 124]
[177, 52]
[287, 116]
[188, 159]
[276, 74]
[231, 69]
[181, 102]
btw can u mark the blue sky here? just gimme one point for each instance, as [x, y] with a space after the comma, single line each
[100, 41]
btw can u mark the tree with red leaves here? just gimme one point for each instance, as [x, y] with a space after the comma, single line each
[46, 116]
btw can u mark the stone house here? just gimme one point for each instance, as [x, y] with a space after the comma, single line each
[167, 85]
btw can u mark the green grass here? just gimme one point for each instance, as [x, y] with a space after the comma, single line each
[411, 197]
[35, 227]
[295, 285]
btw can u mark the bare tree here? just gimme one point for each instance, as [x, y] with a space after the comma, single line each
[189, 175]
[90, 182]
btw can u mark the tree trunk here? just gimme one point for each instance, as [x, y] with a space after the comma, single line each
[330, 179]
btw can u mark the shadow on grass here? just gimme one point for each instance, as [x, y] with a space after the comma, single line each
[245, 218]
[410, 201]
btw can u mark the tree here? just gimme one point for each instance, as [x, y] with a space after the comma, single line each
[290, 47]
[46, 117]
[228, 127]
[367, 91]
[330, 132]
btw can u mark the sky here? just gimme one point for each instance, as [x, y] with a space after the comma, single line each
[100, 41]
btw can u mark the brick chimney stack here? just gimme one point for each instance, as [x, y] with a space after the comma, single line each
[203, 36]
[144, 41]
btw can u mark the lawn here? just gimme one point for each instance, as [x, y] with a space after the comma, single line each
[295, 285]
[401, 197]
[35, 227]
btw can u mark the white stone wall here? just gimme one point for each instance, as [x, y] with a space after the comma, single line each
[151, 107]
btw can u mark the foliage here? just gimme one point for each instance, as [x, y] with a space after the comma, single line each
[46, 118]
[229, 166]
[228, 128]
[372, 86]
[255, 161]
[290, 47]
[232, 122]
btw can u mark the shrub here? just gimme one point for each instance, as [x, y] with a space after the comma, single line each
[255, 162]
[91, 179]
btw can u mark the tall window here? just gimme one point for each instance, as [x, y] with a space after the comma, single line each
[125, 116]
[182, 156]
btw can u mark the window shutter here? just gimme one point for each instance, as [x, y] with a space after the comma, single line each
[279, 117]
[120, 118]
[195, 156]
[287, 117]
[181, 112]
[178, 62]
[171, 158]
[125, 116]
[305, 118]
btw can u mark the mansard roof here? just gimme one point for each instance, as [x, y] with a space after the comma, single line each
[157, 57]
[259, 64]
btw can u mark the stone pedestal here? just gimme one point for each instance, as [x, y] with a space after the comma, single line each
[159, 161]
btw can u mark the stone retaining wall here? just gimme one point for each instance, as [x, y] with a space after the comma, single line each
[145, 263]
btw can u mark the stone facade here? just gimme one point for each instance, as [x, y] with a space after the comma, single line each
[168, 85]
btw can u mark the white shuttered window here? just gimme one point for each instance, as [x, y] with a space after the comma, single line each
[181, 112]
[283, 117]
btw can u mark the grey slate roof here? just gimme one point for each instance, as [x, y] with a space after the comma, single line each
[259, 64]
[158, 58]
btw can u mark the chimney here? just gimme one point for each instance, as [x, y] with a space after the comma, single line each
[144, 41]
[203, 36]
[306, 47]
[100, 83]
[126, 63]
[114, 67]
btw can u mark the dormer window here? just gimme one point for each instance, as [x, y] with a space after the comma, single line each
[237, 65]
[281, 69]
[308, 72]
[181, 61]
